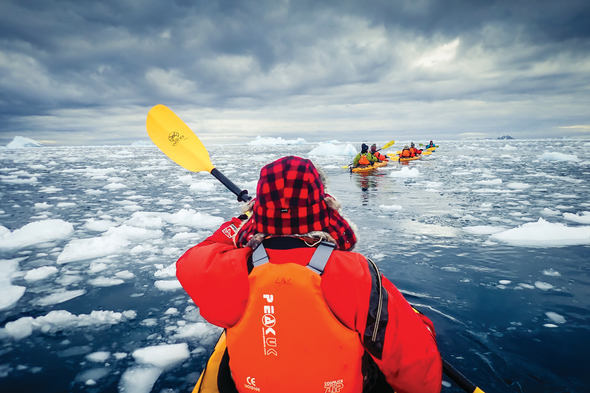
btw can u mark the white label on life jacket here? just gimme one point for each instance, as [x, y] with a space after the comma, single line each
[269, 335]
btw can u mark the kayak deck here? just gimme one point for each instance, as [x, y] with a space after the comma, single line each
[369, 168]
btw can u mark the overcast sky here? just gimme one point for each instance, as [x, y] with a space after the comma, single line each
[87, 72]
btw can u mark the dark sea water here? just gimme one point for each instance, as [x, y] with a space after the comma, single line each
[511, 316]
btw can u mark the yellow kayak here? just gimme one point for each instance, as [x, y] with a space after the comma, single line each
[369, 168]
[396, 157]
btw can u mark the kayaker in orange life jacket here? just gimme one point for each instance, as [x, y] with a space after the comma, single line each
[302, 312]
[377, 155]
[414, 151]
[364, 158]
[406, 152]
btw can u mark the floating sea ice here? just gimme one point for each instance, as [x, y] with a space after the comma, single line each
[483, 229]
[37, 232]
[167, 285]
[99, 225]
[205, 186]
[162, 356]
[98, 357]
[554, 156]
[580, 218]
[543, 285]
[60, 319]
[260, 141]
[391, 207]
[517, 186]
[505, 282]
[550, 212]
[105, 281]
[555, 317]
[81, 249]
[40, 273]
[139, 379]
[9, 294]
[405, 172]
[60, 297]
[551, 272]
[489, 182]
[330, 149]
[115, 186]
[544, 234]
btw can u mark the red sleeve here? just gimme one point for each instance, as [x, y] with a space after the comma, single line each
[409, 356]
[410, 360]
[215, 275]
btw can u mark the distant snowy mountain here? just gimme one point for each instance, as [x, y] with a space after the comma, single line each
[505, 137]
[20, 142]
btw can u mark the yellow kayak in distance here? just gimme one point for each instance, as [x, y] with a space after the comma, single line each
[369, 168]
[397, 158]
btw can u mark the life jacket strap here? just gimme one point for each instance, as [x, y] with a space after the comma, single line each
[320, 257]
[259, 256]
[318, 261]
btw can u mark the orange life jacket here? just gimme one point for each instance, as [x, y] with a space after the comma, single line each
[288, 339]
[406, 153]
[364, 160]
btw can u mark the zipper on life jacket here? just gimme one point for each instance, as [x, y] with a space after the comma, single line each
[380, 304]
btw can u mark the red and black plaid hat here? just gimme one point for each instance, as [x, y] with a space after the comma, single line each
[290, 200]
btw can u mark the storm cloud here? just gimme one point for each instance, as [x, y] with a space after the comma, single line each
[85, 73]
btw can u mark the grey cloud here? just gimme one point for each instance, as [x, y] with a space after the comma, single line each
[68, 61]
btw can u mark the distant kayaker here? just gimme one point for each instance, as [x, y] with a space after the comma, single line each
[302, 312]
[414, 151]
[406, 152]
[376, 154]
[364, 158]
[431, 144]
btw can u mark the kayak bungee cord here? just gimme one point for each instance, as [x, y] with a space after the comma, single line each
[181, 145]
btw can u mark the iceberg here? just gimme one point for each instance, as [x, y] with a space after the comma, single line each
[20, 142]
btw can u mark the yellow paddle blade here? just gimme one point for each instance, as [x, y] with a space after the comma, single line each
[388, 145]
[391, 155]
[177, 140]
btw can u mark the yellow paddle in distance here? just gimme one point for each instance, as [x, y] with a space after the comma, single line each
[385, 146]
[182, 146]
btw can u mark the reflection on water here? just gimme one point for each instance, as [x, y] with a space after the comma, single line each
[369, 183]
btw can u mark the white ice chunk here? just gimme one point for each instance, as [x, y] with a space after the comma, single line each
[98, 357]
[489, 182]
[543, 285]
[544, 234]
[168, 285]
[80, 249]
[60, 320]
[390, 207]
[139, 379]
[162, 356]
[36, 233]
[99, 225]
[555, 317]
[331, 149]
[260, 141]
[105, 281]
[554, 156]
[405, 172]
[60, 297]
[205, 186]
[40, 273]
[483, 229]
[580, 218]
[9, 294]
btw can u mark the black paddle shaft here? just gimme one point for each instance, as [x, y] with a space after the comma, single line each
[241, 194]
